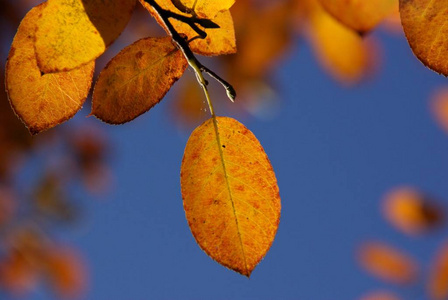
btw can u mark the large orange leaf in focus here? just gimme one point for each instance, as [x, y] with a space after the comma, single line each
[359, 15]
[341, 51]
[137, 79]
[205, 8]
[411, 212]
[439, 108]
[230, 193]
[438, 279]
[218, 41]
[387, 263]
[42, 101]
[425, 23]
[71, 33]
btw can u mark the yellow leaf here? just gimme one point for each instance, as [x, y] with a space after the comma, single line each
[207, 9]
[218, 41]
[137, 79]
[387, 263]
[71, 33]
[342, 52]
[438, 279]
[230, 193]
[425, 23]
[359, 15]
[412, 212]
[42, 101]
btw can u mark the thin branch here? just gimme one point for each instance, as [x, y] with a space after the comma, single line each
[182, 44]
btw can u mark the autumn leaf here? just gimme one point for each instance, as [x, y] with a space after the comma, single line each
[359, 15]
[439, 107]
[218, 41]
[380, 295]
[71, 33]
[387, 263]
[412, 212]
[438, 279]
[206, 9]
[17, 275]
[137, 79]
[342, 52]
[42, 101]
[230, 193]
[425, 25]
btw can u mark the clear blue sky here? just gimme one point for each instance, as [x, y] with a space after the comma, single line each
[335, 152]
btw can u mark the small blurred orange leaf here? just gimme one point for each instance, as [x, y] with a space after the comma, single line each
[71, 33]
[342, 52]
[438, 279]
[137, 79]
[42, 101]
[411, 212]
[218, 41]
[359, 15]
[230, 193]
[17, 275]
[380, 295]
[439, 108]
[425, 25]
[387, 263]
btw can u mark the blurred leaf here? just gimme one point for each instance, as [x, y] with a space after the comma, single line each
[438, 279]
[66, 272]
[425, 25]
[218, 41]
[387, 263]
[439, 107]
[72, 33]
[137, 79]
[42, 101]
[412, 212]
[17, 275]
[380, 295]
[342, 52]
[230, 193]
[359, 15]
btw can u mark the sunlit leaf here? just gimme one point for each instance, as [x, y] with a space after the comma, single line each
[137, 79]
[218, 41]
[40, 100]
[359, 15]
[342, 52]
[205, 8]
[66, 272]
[230, 193]
[71, 33]
[412, 212]
[425, 25]
[387, 263]
[439, 108]
[380, 295]
[438, 279]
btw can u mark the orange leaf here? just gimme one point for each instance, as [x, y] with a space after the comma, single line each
[359, 15]
[342, 52]
[66, 272]
[230, 193]
[380, 295]
[438, 279]
[387, 263]
[439, 108]
[71, 33]
[137, 79]
[40, 100]
[207, 9]
[425, 25]
[17, 275]
[411, 212]
[218, 41]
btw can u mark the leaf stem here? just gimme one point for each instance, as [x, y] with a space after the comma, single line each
[183, 45]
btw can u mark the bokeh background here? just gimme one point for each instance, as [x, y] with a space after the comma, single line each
[92, 211]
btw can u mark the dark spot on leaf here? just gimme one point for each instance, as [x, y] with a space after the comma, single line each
[139, 54]
[223, 146]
